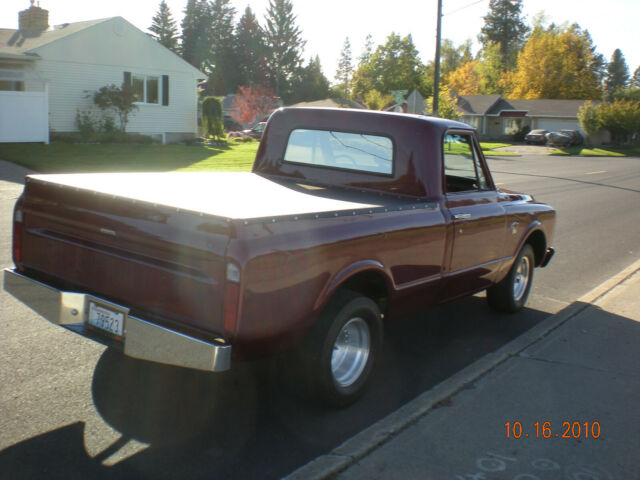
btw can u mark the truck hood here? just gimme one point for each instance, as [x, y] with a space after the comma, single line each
[233, 195]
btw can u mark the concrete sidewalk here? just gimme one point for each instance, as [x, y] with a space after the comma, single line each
[575, 375]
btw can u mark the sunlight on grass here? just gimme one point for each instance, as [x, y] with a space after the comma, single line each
[82, 158]
[597, 152]
[492, 145]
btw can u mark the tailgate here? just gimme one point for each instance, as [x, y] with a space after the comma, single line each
[165, 264]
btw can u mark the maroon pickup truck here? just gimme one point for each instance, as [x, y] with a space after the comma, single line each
[349, 219]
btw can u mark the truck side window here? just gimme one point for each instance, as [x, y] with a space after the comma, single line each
[462, 169]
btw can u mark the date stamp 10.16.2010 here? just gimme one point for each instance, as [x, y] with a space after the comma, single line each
[544, 429]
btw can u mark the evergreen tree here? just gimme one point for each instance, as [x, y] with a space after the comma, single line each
[285, 45]
[367, 51]
[505, 27]
[635, 80]
[311, 84]
[345, 70]
[617, 76]
[222, 60]
[163, 27]
[195, 43]
[251, 51]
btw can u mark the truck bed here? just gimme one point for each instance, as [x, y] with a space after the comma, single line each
[230, 195]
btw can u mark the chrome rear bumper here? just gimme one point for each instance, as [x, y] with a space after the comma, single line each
[142, 339]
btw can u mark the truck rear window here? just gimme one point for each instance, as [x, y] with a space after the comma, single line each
[348, 151]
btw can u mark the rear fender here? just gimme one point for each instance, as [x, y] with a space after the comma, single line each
[349, 272]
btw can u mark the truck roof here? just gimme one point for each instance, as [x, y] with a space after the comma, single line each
[417, 148]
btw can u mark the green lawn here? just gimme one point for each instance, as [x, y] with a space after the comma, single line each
[488, 149]
[65, 157]
[598, 152]
[61, 157]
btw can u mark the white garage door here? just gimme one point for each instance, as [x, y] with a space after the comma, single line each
[555, 124]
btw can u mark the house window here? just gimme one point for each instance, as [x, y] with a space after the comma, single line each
[146, 88]
[513, 125]
[11, 80]
[11, 86]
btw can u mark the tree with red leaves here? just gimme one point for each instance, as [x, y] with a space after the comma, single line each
[253, 104]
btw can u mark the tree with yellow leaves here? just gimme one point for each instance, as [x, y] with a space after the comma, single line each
[465, 79]
[559, 62]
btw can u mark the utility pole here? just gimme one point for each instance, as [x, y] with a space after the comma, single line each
[436, 75]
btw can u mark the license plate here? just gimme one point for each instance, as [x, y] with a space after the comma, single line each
[106, 319]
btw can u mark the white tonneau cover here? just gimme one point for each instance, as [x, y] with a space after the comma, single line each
[236, 195]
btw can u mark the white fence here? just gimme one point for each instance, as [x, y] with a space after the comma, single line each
[24, 117]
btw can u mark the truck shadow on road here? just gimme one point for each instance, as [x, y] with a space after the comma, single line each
[245, 423]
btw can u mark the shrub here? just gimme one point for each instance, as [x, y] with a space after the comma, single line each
[88, 124]
[589, 118]
[212, 118]
[520, 134]
[118, 99]
[621, 118]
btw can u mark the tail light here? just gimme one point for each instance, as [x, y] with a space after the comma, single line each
[18, 227]
[232, 298]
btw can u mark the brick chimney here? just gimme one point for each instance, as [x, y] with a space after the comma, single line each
[34, 19]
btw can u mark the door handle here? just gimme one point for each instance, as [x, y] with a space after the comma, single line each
[461, 216]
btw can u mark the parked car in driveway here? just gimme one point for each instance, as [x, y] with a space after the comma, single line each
[255, 132]
[564, 138]
[558, 139]
[575, 135]
[536, 137]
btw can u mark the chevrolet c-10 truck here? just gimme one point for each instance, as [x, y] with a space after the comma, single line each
[349, 219]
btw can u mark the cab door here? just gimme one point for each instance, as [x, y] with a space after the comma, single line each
[478, 220]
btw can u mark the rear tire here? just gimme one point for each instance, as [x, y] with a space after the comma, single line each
[339, 352]
[510, 295]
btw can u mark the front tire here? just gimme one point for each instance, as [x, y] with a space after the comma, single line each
[511, 294]
[341, 348]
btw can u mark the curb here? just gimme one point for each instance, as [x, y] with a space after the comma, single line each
[361, 444]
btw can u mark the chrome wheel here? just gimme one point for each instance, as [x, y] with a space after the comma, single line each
[521, 278]
[350, 352]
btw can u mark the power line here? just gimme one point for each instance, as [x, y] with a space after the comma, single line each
[462, 8]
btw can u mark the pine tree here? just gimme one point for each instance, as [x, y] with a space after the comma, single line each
[164, 27]
[345, 70]
[635, 80]
[367, 51]
[285, 45]
[251, 51]
[504, 26]
[195, 43]
[617, 76]
[222, 62]
[311, 84]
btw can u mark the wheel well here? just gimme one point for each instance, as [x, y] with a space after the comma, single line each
[538, 242]
[370, 284]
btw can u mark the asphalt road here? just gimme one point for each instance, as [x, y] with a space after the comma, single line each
[71, 409]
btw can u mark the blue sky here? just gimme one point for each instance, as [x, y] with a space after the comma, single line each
[325, 24]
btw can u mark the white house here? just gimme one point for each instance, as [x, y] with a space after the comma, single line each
[46, 73]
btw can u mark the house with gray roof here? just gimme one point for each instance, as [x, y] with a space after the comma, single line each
[496, 117]
[47, 73]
